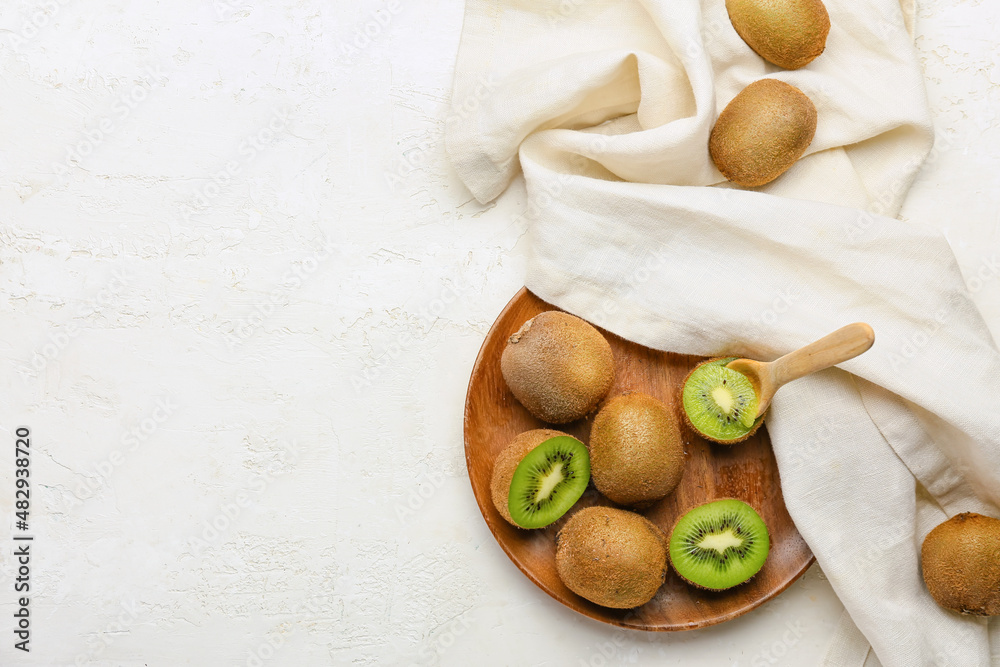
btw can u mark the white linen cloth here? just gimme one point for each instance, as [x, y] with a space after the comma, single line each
[607, 108]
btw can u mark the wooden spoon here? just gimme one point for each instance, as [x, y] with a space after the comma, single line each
[767, 377]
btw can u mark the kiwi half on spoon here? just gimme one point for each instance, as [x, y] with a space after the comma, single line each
[720, 403]
[719, 544]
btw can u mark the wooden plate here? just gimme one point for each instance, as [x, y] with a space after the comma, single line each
[746, 471]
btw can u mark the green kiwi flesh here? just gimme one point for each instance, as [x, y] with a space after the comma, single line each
[720, 403]
[506, 463]
[548, 481]
[719, 545]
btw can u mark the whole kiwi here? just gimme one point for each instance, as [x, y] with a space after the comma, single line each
[762, 132]
[636, 453]
[506, 463]
[558, 366]
[788, 33]
[611, 557]
[961, 563]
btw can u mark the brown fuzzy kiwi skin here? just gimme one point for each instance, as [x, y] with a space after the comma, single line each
[507, 461]
[787, 33]
[558, 366]
[762, 132]
[691, 426]
[636, 452]
[612, 557]
[688, 581]
[961, 564]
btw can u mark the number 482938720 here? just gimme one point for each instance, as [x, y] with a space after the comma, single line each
[22, 493]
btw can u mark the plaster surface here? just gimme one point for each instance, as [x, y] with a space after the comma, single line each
[241, 292]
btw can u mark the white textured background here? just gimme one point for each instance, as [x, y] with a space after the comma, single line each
[241, 292]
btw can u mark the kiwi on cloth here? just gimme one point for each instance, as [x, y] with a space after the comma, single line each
[538, 477]
[788, 33]
[558, 366]
[961, 564]
[720, 403]
[719, 544]
[611, 557]
[636, 453]
[762, 132]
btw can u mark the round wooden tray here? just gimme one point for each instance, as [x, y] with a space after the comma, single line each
[746, 471]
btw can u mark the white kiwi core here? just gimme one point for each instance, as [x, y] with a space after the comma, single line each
[720, 541]
[724, 399]
[550, 481]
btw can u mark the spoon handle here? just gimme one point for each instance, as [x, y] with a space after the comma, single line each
[843, 344]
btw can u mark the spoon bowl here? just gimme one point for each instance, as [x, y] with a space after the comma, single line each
[768, 376]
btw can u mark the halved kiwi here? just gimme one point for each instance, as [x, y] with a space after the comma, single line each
[720, 403]
[540, 475]
[719, 545]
